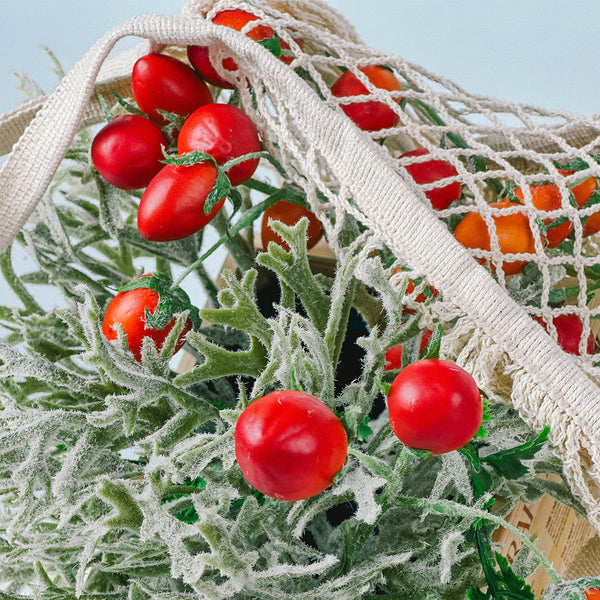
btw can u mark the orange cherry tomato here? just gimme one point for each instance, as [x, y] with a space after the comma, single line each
[592, 594]
[289, 213]
[547, 197]
[513, 231]
[370, 115]
[583, 192]
[410, 288]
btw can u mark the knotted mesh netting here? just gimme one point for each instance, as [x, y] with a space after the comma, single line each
[497, 248]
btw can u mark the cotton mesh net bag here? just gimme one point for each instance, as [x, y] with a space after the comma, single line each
[515, 249]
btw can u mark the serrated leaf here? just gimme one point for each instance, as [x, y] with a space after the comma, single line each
[507, 463]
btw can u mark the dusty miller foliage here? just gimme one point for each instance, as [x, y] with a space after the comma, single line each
[119, 480]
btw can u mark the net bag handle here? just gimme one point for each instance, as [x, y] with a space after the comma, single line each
[552, 388]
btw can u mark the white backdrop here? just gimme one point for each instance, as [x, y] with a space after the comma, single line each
[541, 52]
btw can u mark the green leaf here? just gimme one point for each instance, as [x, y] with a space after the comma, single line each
[364, 430]
[293, 268]
[432, 350]
[481, 433]
[507, 463]
[130, 108]
[481, 478]
[577, 164]
[221, 189]
[108, 115]
[273, 45]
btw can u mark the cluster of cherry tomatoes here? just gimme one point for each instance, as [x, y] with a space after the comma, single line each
[290, 445]
[132, 152]
[129, 152]
[513, 231]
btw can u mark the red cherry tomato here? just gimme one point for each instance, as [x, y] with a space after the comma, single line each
[431, 171]
[592, 594]
[290, 445]
[569, 329]
[224, 132]
[163, 82]
[172, 207]
[289, 213]
[127, 152]
[199, 59]
[370, 115]
[434, 405]
[129, 310]
[393, 355]
[234, 19]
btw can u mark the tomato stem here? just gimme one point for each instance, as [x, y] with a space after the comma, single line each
[235, 243]
[247, 218]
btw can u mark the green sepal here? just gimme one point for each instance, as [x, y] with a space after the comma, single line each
[171, 300]
[383, 387]
[189, 158]
[273, 45]
[432, 350]
[221, 189]
[174, 121]
[130, 108]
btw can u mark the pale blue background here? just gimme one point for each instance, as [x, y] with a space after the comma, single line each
[542, 52]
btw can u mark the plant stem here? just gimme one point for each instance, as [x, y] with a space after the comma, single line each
[450, 508]
[362, 531]
[236, 244]
[16, 284]
[212, 291]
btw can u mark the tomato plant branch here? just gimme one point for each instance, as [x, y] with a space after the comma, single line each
[455, 509]
[235, 243]
[208, 284]
[247, 218]
[339, 312]
[355, 536]
[16, 285]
